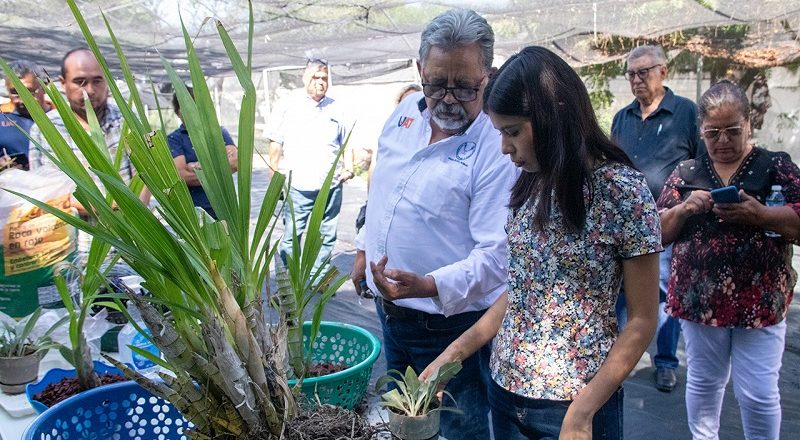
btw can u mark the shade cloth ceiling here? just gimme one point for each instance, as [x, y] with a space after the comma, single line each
[366, 34]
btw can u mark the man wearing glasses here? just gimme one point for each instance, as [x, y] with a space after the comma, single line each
[14, 142]
[657, 130]
[434, 234]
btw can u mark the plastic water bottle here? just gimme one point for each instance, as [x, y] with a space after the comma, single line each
[129, 336]
[775, 199]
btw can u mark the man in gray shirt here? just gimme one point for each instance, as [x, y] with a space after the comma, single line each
[657, 130]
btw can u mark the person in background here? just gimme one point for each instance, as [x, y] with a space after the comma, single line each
[186, 162]
[434, 226]
[14, 143]
[305, 141]
[731, 279]
[657, 131]
[80, 72]
[581, 223]
[406, 91]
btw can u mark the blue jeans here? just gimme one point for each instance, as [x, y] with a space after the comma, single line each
[669, 328]
[415, 338]
[515, 417]
[303, 203]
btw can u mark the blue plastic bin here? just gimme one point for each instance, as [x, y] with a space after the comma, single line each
[120, 411]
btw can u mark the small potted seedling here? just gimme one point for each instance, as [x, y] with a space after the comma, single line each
[413, 405]
[21, 350]
[59, 384]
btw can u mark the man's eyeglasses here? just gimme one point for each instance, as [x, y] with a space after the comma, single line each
[713, 134]
[641, 73]
[462, 94]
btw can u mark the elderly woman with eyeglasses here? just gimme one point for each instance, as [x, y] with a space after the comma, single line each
[731, 277]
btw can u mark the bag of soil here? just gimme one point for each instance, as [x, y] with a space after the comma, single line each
[32, 241]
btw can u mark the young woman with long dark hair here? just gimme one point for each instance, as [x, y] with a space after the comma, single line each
[581, 223]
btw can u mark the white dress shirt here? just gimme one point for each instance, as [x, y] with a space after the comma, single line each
[440, 209]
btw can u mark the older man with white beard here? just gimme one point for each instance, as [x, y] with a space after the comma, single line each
[434, 232]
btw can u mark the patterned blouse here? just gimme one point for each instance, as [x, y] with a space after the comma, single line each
[562, 286]
[726, 274]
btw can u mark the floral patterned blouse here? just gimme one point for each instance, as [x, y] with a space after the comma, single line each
[726, 274]
[562, 286]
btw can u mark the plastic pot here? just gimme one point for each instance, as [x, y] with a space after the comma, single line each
[16, 372]
[422, 427]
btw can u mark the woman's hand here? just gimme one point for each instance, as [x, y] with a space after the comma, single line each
[232, 153]
[673, 219]
[346, 175]
[698, 202]
[748, 211]
[576, 425]
[447, 356]
[473, 339]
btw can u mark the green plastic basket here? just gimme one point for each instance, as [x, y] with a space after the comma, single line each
[344, 344]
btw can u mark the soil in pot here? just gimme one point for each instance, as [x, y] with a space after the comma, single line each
[69, 386]
[17, 372]
[324, 368]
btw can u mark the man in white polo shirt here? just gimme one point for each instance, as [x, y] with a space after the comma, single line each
[305, 139]
[434, 233]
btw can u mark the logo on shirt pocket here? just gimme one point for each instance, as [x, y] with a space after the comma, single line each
[464, 152]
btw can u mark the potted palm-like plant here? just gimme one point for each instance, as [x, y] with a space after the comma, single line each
[207, 273]
[298, 284]
[21, 351]
[329, 362]
[413, 405]
[227, 373]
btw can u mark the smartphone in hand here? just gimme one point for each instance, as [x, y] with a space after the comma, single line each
[728, 194]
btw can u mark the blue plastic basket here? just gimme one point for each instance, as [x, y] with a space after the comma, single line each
[56, 374]
[119, 411]
[124, 410]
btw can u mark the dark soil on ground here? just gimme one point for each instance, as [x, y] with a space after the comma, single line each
[327, 422]
[68, 387]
